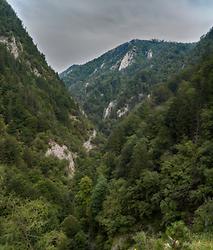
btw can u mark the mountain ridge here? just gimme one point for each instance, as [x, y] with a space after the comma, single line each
[157, 165]
[98, 83]
[132, 41]
[148, 185]
[121, 46]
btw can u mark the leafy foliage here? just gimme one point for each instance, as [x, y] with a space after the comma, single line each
[158, 166]
[35, 108]
[153, 175]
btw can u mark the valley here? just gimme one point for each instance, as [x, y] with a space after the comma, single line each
[114, 154]
[111, 85]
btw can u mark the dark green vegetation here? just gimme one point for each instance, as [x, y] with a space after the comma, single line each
[35, 108]
[157, 166]
[150, 186]
[33, 100]
[123, 76]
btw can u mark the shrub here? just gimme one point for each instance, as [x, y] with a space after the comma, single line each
[178, 236]
[204, 218]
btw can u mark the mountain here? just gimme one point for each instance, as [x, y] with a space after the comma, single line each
[154, 186]
[148, 187]
[32, 95]
[42, 133]
[110, 86]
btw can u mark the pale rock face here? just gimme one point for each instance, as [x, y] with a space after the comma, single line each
[141, 95]
[11, 45]
[83, 112]
[3, 40]
[73, 117]
[102, 65]
[109, 109]
[36, 72]
[94, 72]
[127, 60]
[149, 54]
[62, 153]
[115, 66]
[88, 144]
[123, 111]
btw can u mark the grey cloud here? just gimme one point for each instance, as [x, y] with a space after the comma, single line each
[74, 31]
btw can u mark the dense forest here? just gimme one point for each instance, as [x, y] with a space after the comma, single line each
[121, 78]
[148, 185]
[36, 113]
[155, 179]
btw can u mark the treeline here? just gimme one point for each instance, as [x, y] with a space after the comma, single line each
[156, 169]
[35, 108]
[99, 82]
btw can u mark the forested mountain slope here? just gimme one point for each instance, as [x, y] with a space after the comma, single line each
[110, 86]
[42, 133]
[156, 168]
[33, 99]
[149, 187]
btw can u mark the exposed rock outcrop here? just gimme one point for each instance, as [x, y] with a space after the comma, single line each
[88, 144]
[12, 45]
[62, 153]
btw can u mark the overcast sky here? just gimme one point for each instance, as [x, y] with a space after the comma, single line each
[75, 31]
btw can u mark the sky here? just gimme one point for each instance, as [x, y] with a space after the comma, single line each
[76, 31]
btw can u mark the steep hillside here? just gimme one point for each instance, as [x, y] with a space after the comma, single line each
[33, 99]
[149, 187]
[42, 133]
[156, 170]
[110, 86]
